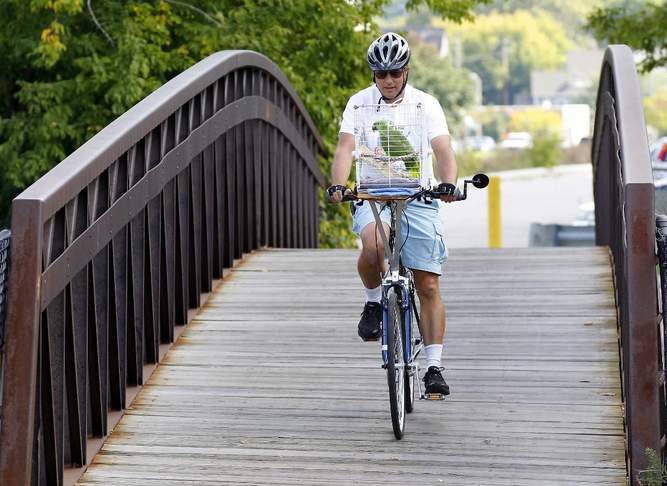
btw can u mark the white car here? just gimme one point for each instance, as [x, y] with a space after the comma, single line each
[585, 215]
[517, 141]
[482, 143]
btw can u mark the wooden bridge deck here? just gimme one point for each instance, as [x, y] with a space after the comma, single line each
[271, 385]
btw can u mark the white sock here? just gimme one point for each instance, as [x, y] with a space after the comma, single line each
[433, 355]
[374, 295]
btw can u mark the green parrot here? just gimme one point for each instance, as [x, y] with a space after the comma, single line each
[395, 144]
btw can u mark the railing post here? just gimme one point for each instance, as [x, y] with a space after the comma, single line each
[21, 354]
[625, 221]
[642, 395]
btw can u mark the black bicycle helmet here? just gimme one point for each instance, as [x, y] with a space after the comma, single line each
[387, 52]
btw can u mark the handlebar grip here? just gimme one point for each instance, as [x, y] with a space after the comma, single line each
[347, 196]
[458, 195]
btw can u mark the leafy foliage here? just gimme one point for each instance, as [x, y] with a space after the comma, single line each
[69, 70]
[452, 87]
[640, 25]
[545, 151]
[656, 472]
[655, 109]
[570, 13]
[504, 48]
[545, 128]
[535, 121]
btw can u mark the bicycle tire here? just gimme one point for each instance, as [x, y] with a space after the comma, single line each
[410, 379]
[395, 374]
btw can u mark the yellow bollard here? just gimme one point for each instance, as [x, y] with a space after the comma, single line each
[495, 225]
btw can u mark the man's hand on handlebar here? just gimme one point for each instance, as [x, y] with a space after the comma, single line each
[449, 192]
[336, 193]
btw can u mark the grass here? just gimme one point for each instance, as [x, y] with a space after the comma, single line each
[656, 472]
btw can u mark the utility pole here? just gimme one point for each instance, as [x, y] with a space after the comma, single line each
[504, 58]
[458, 52]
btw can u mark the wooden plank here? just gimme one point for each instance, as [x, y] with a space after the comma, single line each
[271, 385]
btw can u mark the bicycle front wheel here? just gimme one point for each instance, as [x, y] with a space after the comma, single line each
[410, 374]
[395, 364]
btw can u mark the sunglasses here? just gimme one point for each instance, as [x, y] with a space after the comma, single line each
[394, 73]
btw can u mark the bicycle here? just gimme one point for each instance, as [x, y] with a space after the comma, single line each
[399, 304]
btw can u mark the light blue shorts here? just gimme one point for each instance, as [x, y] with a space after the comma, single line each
[421, 224]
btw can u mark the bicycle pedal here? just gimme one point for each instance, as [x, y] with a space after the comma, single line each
[432, 396]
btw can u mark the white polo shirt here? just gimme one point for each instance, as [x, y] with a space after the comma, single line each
[435, 123]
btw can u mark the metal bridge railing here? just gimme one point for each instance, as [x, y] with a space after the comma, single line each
[625, 222]
[113, 246]
[5, 238]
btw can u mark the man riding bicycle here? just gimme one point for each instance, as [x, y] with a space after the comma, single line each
[424, 251]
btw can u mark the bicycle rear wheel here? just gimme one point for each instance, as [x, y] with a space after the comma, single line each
[395, 364]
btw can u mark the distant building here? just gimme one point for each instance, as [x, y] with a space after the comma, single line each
[570, 84]
[432, 36]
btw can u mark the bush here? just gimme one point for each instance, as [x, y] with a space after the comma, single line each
[493, 122]
[546, 151]
[470, 162]
[535, 121]
[656, 473]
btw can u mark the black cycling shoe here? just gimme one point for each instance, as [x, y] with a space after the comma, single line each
[434, 383]
[370, 325]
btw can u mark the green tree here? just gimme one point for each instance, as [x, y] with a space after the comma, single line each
[655, 109]
[452, 87]
[639, 24]
[570, 13]
[504, 48]
[69, 69]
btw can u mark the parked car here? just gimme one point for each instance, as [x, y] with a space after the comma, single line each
[660, 195]
[517, 141]
[482, 143]
[585, 215]
[658, 151]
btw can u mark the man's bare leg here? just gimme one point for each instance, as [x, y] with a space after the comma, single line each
[432, 315]
[370, 262]
[370, 265]
[432, 319]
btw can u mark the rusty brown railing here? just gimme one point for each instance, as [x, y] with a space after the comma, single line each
[625, 221]
[111, 247]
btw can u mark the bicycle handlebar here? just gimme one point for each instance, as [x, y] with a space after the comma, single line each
[480, 181]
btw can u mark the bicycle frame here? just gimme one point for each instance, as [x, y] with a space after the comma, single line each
[401, 283]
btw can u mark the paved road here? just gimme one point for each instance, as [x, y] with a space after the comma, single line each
[528, 196]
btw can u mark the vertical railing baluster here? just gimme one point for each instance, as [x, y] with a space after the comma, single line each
[153, 244]
[119, 294]
[182, 223]
[195, 227]
[208, 172]
[136, 272]
[220, 208]
[219, 189]
[168, 284]
[76, 341]
[53, 369]
[98, 315]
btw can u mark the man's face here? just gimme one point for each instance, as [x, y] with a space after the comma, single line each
[390, 82]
